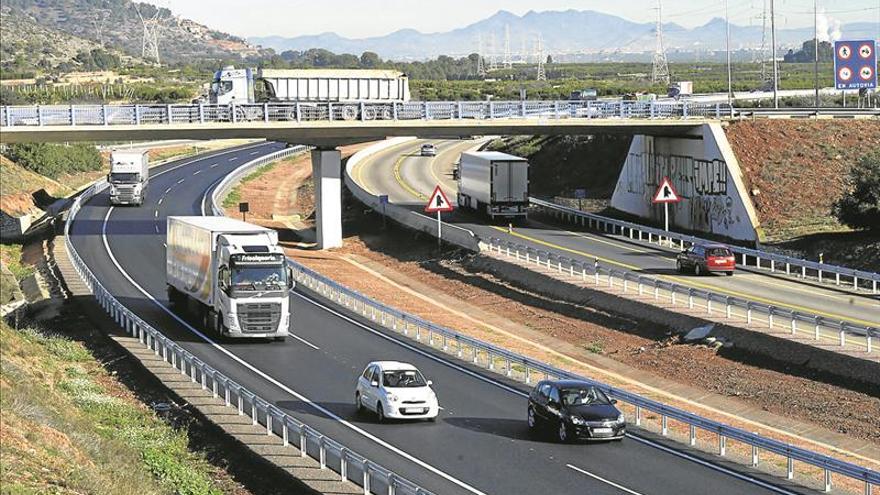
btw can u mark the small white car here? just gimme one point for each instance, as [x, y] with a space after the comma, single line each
[429, 150]
[395, 390]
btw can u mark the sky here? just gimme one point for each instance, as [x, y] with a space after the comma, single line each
[359, 18]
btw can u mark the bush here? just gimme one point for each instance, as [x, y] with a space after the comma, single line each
[55, 160]
[860, 207]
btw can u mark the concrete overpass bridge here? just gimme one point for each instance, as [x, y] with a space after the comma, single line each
[679, 126]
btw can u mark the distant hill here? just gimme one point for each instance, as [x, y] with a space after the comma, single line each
[48, 32]
[563, 32]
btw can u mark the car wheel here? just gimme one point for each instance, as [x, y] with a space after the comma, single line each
[562, 432]
[697, 270]
[679, 266]
[532, 419]
[432, 419]
[380, 413]
[358, 405]
[729, 274]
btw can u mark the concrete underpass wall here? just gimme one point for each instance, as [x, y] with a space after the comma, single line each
[704, 172]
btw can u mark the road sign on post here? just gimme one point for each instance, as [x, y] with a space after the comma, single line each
[855, 64]
[243, 208]
[438, 203]
[580, 194]
[666, 194]
[383, 200]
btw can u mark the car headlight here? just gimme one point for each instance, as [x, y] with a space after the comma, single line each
[621, 418]
[392, 397]
[577, 420]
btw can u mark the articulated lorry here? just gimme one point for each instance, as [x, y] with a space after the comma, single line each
[232, 274]
[493, 183]
[128, 177]
[308, 87]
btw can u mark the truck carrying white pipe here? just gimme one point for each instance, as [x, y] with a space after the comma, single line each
[231, 274]
[493, 183]
[128, 177]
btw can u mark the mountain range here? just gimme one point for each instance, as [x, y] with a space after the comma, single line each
[563, 33]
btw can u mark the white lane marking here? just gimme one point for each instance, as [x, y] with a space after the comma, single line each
[213, 165]
[603, 480]
[520, 393]
[160, 200]
[233, 159]
[181, 181]
[197, 172]
[157, 228]
[167, 190]
[330, 414]
[254, 152]
[156, 214]
[304, 341]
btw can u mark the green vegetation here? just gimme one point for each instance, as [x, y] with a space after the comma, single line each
[69, 427]
[859, 208]
[234, 196]
[10, 256]
[54, 160]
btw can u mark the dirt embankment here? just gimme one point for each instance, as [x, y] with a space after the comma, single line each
[795, 170]
[653, 351]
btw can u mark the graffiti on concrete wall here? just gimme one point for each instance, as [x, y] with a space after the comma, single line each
[702, 184]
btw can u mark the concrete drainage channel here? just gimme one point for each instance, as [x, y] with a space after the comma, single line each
[526, 370]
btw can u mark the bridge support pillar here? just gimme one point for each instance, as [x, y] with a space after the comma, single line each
[327, 174]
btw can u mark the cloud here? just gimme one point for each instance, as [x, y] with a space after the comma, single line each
[828, 27]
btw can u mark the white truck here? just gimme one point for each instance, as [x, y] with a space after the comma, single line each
[680, 89]
[232, 273]
[307, 87]
[128, 177]
[493, 183]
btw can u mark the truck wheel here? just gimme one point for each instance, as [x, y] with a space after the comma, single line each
[173, 296]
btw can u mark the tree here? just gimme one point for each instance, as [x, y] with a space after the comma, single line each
[549, 59]
[859, 208]
[370, 60]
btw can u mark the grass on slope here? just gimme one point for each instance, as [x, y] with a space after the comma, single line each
[69, 427]
[234, 196]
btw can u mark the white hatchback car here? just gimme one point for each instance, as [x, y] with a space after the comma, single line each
[396, 390]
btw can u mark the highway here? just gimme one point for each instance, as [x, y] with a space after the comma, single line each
[408, 179]
[480, 442]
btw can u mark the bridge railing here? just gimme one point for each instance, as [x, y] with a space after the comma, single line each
[74, 115]
[775, 262]
[351, 466]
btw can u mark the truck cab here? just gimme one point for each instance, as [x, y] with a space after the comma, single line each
[252, 285]
[231, 85]
[128, 177]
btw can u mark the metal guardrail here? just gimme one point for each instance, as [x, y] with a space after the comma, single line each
[351, 466]
[582, 270]
[857, 279]
[76, 115]
[528, 371]
[806, 112]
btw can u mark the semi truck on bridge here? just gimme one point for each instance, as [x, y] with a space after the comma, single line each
[233, 273]
[349, 87]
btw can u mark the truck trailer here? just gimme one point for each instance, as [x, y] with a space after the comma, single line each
[304, 86]
[231, 274]
[493, 183]
[128, 177]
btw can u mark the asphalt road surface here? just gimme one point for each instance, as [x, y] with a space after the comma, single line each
[480, 443]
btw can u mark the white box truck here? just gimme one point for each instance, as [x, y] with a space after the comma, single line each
[129, 176]
[493, 183]
[233, 273]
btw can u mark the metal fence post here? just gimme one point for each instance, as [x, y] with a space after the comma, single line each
[168, 113]
[104, 115]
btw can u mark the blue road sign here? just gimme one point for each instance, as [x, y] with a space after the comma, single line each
[855, 64]
[580, 193]
[383, 199]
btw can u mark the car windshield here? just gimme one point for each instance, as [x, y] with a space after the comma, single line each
[584, 396]
[403, 379]
[718, 252]
[125, 177]
[259, 278]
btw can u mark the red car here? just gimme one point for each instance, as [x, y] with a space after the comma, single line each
[706, 258]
